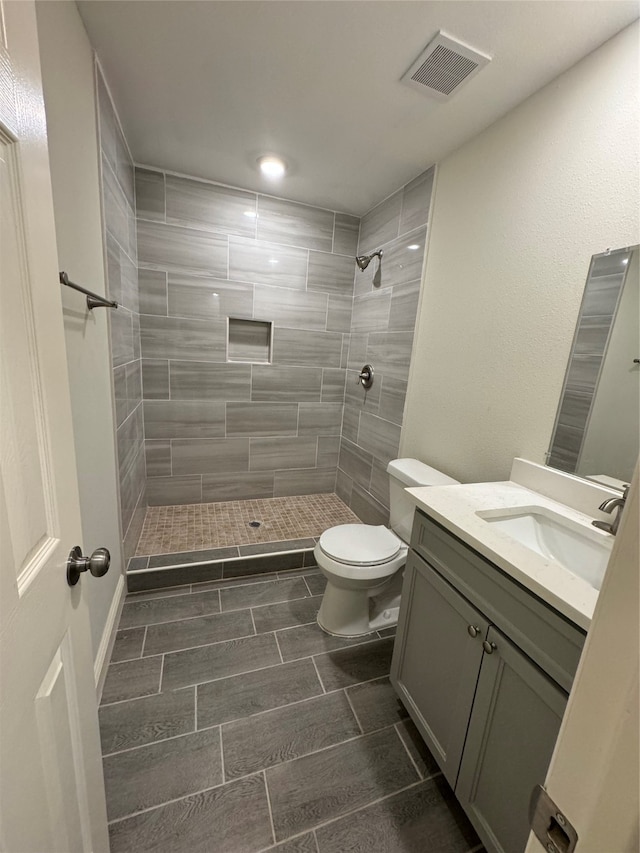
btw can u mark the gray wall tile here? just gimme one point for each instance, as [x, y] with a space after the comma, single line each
[328, 451]
[267, 263]
[367, 508]
[294, 224]
[150, 195]
[155, 379]
[350, 423]
[331, 273]
[286, 384]
[201, 380]
[332, 385]
[171, 247]
[416, 198]
[391, 351]
[346, 230]
[208, 298]
[158, 457]
[268, 454]
[184, 419]
[392, 398]
[319, 418]
[380, 225]
[170, 491]
[404, 308]
[402, 260]
[199, 204]
[179, 338]
[371, 312]
[355, 462]
[291, 346]
[209, 456]
[286, 307]
[339, 313]
[381, 438]
[262, 419]
[153, 291]
[311, 481]
[237, 486]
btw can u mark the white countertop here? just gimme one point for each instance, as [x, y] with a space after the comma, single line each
[455, 508]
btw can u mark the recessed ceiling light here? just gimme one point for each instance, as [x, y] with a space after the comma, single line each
[413, 247]
[272, 167]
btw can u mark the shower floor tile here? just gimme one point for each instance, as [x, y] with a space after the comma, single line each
[239, 751]
[193, 527]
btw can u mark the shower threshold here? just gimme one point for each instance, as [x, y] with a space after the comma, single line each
[199, 543]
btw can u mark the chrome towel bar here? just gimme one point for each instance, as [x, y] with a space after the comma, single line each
[93, 299]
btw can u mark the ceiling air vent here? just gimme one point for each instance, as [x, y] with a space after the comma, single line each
[443, 66]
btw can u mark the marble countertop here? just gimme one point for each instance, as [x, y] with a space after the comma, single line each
[456, 508]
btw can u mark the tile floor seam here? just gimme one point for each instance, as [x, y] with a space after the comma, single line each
[182, 619]
[195, 706]
[315, 840]
[161, 674]
[411, 758]
[221, 754]
[315, 666]
[275, 634]
[360, 808]
[353, 710]
[280, 601]
[266, 789]
[253, 622]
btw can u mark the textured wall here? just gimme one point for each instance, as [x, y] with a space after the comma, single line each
[217, 430]
[118, 200]
[382, 327]
[518, 213]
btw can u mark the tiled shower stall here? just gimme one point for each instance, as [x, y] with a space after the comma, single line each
[244, 325]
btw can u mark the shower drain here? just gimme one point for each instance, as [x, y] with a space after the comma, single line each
[255, 523]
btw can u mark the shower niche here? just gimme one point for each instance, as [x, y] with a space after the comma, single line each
[249, 340]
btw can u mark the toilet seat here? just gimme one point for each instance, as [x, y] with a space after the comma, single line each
[360, 544]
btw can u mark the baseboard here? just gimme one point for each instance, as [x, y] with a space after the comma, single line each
[105, 648]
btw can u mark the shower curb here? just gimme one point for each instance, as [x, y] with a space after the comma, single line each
[144, 578]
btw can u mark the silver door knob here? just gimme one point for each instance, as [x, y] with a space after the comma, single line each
[98, 564]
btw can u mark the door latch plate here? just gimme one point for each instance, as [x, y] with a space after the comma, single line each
[550, 826]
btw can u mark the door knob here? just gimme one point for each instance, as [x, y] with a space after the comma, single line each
[97, 564]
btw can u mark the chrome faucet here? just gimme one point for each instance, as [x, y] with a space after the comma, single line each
[609, 506]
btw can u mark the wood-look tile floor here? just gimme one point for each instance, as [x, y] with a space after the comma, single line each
[217, 525]
[231, 723]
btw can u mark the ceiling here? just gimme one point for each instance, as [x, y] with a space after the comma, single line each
[204, 88]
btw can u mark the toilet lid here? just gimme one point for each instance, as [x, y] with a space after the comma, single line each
[360, 544]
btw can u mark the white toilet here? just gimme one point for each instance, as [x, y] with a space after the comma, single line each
[362, 562]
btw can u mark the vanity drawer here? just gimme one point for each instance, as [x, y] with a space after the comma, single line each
[547, 637]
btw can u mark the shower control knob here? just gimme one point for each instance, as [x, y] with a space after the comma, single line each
[366, 376]
[98, 564]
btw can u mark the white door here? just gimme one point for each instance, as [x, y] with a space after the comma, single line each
[51, 786]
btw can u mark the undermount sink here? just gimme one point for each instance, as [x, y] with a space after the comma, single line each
[581, 550]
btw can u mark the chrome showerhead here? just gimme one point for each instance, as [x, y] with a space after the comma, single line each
[363, 261]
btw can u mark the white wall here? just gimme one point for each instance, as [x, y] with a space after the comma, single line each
[67, 71]
[518, 212]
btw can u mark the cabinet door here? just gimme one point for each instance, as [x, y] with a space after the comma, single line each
[512, 732]
[436, 661]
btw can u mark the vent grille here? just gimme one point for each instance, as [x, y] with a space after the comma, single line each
[444, 66]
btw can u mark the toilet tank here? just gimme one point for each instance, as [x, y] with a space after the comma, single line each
[403, 474]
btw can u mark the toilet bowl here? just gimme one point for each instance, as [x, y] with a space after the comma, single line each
[363, 562]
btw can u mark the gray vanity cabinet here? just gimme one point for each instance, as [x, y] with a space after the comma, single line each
[513, 728]
[437, 677]
[484, 668]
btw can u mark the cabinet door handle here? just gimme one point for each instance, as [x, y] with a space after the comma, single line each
[488, 647]
[473, 630]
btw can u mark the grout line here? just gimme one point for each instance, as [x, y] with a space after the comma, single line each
[144, 640]
[275, 634]
[353, 710]
[406, 749]
[195, 707]
[315, 666]
[224, 777]
[253, 622]
[266, 788]
[315, 841]
[161, 674]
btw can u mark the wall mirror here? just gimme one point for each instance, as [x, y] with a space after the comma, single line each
[597, 430]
